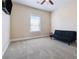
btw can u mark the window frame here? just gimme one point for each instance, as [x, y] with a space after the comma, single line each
[30, 23]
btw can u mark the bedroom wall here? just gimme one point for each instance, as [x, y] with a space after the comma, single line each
[65, 18]
[5, 31]
[20, 22]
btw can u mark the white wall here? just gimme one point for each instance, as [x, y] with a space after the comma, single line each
[65, 18]
[5, 31]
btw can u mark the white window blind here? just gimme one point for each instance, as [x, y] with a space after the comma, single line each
[34, 23]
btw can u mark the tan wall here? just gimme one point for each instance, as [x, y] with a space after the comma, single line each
[65, 18]
[20, 21]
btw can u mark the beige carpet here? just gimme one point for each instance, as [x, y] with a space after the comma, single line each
[41, 48]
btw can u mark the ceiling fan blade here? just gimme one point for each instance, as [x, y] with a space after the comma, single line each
[42, 1]
[51, 2]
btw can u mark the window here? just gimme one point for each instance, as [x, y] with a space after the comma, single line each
[34, 23]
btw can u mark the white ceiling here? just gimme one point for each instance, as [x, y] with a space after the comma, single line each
[45, 6]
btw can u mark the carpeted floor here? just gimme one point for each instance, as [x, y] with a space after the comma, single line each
[41, 48]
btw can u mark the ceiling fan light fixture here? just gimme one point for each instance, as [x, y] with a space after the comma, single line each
[47, 0]
[50, 1]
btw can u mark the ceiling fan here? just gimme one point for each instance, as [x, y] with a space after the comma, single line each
[50, 1]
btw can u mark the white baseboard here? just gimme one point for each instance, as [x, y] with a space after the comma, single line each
[26, 38]
[5, 48]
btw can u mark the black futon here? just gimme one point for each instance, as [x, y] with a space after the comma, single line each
[65, 36]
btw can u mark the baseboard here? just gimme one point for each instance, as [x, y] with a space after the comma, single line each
[27, 38]
[5, 48]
